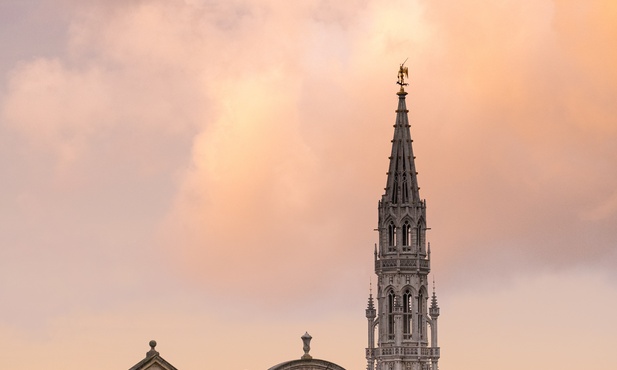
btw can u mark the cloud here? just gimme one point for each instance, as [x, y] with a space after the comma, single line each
[262, 131]
[604, 210]
[527, 136]
[180, 161]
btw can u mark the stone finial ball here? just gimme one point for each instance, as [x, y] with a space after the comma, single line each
[152, 344]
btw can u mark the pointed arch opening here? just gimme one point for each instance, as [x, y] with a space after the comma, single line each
[390, 314]
[391, 237]
[407, 314]
[418, 236]
[421, 320]
[406, 234]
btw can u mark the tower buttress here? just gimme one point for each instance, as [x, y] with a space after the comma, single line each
[434, 312]
[371, 314]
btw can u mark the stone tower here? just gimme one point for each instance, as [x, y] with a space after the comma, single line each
[405, 324]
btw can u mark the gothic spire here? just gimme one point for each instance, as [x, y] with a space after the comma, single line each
[402, 265]
[402, 310]
[402, 183]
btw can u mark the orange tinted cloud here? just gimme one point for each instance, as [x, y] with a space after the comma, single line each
[224, 155]
[290, 114]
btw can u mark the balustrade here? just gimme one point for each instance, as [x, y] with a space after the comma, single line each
[401, 264]
[429, 352]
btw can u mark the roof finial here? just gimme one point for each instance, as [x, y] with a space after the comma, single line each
[152, 351]
[306, 341]
[402, 73]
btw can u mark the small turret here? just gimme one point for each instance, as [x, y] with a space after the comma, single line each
[371, 313]
[434, 309]
[434, 312]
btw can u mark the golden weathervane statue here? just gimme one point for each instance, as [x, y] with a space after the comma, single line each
[402, 73]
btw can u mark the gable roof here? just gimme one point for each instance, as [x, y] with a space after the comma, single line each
[153, 361]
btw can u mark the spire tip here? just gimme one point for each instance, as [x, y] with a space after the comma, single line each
[403, 72]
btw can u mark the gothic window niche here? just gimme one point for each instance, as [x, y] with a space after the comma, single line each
[391, 301]
[406, 236]
[391, 237]
[419, 236]
[421, 313]
[407, 314]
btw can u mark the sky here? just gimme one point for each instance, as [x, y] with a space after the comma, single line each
[206, 173]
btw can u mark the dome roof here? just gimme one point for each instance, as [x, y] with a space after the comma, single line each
[307, 364]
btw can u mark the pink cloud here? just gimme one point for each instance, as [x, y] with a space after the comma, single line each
[199, 156]
[286, 111]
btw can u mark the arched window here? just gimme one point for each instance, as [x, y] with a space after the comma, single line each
[406, 236]
[391, 236]
[421, 313]
[391, 301]
[419, 236]
[407, 314]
